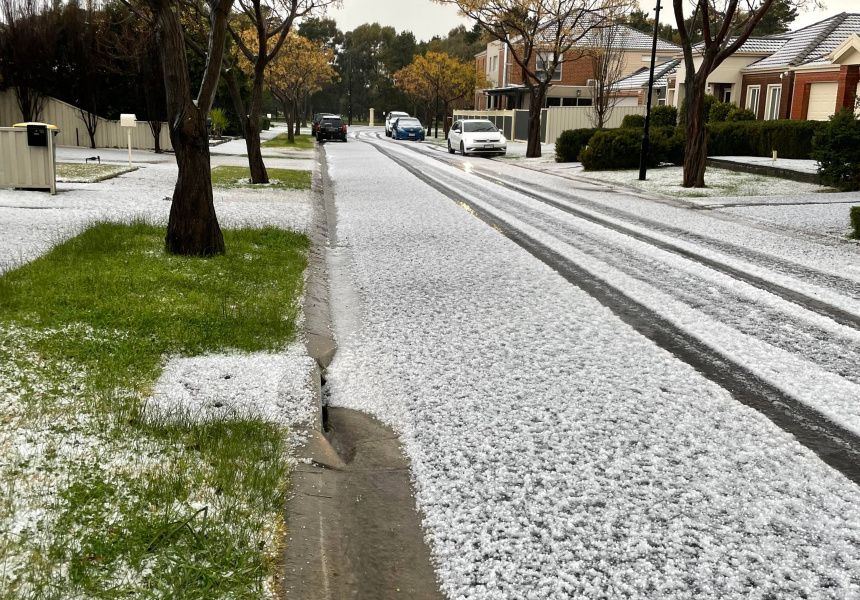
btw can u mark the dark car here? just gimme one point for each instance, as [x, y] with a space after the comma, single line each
[407, 128]
[331, 128]
[317, 118]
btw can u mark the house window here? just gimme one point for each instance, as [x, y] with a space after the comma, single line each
[774, 95]
[544, 60]
[753, 92]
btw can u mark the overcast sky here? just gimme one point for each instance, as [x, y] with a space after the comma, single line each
[422, 17]
[425, 18]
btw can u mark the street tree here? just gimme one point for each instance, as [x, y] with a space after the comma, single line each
[722, 26]
[259, 32]
[301, 69]
[192, 227]
[606, 53]
[540, 35]
[440, 77]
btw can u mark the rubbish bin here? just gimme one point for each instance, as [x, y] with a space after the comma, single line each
[28, 156]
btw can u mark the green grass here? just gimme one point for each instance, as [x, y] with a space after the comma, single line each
[155, 506]
[87, 173]
[302, 142]
[288, 179]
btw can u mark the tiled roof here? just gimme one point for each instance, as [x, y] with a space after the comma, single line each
[755, 44]
[623, 37]
[811, 44]
[639, 79]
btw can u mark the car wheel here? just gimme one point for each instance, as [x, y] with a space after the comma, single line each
[462, 149]
[450, 149]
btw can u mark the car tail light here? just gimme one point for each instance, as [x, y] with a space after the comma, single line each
[344, 128]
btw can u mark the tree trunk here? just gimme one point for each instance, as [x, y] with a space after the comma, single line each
[297, 120]
[192, 229]
[533, 149]
[697, 139]
[291, 116]
[155, 128]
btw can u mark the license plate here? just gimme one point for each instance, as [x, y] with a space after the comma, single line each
[411, 135]
[488, 145]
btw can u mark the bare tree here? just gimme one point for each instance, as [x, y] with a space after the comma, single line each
[28, 42]
[607, 65]
[540, 36]
[192, 227]
[722, 26]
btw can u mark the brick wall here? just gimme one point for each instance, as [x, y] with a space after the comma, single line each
[764, 80]
[800, 96]
[849, 77]
[575, 72]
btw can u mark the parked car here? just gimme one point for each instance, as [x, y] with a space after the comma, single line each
[390, 118]
[407, 128]
[316, 120]
[331, 127]
[471, 136]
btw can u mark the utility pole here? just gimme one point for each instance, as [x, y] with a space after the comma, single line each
[643, 158]
[349, 94]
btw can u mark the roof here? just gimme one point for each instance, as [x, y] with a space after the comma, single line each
[810, 45]
[639, 79]
[627, 38]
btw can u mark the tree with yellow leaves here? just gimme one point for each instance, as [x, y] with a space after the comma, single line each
[301, 69]
[437, 79]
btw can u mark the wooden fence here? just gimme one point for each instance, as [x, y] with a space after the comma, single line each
[514, 123]
[73, 132]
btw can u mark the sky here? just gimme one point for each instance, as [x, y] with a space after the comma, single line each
[424, 18]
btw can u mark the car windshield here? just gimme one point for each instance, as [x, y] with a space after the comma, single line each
[395, 115]
[479, 126]
[408, 123]
[328, 121]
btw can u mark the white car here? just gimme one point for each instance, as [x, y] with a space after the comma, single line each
[476, 136]
[390, 118]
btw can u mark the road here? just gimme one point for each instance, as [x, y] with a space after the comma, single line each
[601, 394]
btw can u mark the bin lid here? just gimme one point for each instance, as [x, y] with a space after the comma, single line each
[32, 123]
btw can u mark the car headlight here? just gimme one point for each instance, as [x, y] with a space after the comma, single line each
[502, 139]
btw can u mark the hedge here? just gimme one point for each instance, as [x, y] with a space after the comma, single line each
[790, 139]
[632, 121]
[620, 148]
[571, 142]
[664, 116]
[836, 147]
[265, 123]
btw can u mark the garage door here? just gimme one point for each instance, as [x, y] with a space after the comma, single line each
[822, 101]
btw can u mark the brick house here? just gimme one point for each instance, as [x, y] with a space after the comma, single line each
[570, 83]
[805, 74]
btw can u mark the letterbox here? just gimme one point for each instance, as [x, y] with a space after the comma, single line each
[37, 135]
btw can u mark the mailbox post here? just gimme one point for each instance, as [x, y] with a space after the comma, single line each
[129, 121]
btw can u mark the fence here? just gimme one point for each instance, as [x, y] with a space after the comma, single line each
[73, 132]
[514, 123]
[25, 166]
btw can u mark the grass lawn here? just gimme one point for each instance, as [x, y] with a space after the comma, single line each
[289, 179]
[86, 173]
[99, 498]
[279, 156]
[302, 142]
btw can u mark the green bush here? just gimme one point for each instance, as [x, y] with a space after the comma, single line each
[664, 116]
[855, 221]
[265, 123]
[739, 114]
[836, 147]
[791, 139]
[220, 122]
[571, 142]
[719, 111]
[682, 112]
[620, 148]
[632, 121]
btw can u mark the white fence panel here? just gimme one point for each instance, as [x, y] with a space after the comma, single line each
[73, 132]
[25, 166]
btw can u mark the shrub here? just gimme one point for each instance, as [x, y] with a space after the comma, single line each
[220, 122]
[719, 111]
[836, 147]
[855, 222]
[791, 139]
[664, 116]
[265, 123]
[632, 121]
[682, 113]
[571, 142]
[620, 148]
[740, 114]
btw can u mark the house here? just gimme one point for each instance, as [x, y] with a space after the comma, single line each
[806, 74]
[570, 83]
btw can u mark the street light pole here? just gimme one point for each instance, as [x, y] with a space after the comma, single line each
[643, 158]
